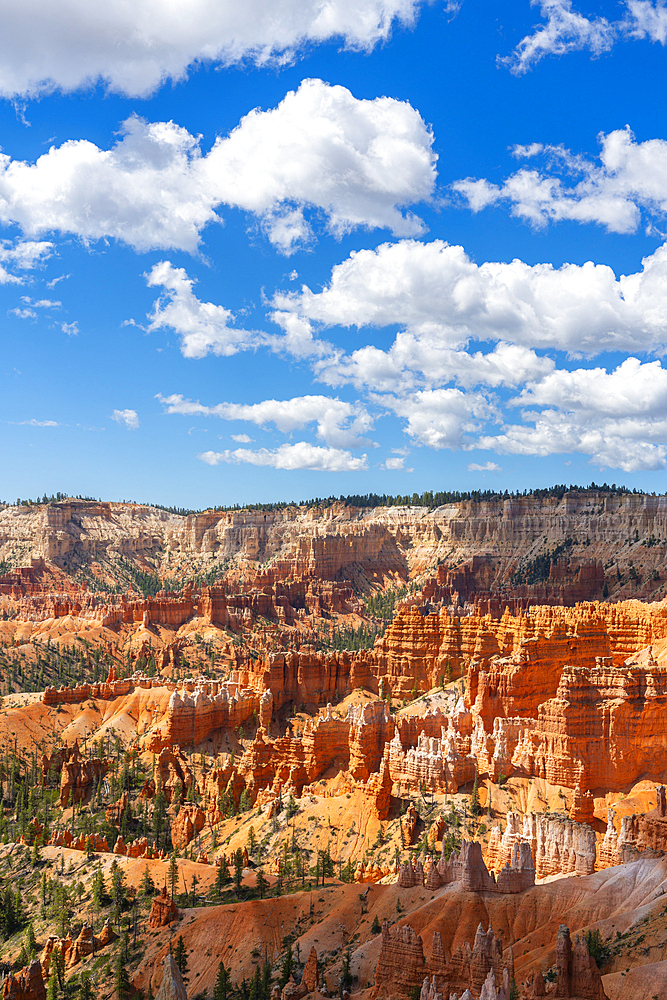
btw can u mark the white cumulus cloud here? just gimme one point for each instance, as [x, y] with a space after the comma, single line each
[291, 456]
[339, 424]
[134, 48]
[487, 467]
[567, 30]
[618, 418]
[436, 291]
[630, 177]
[443, 418]
[204, 328]
[647, 19]
[128, 418]
[356, 162]
[21, 254]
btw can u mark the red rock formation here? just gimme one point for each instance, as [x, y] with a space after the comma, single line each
[402, 959]
[188, 823]
[379, 789]
[643, 832]
[172, 774]
[578, 974]
[410, 874]
[78, 776]
[74, 951]
[163, 910]
[83, 945]
[433, 763]
[107, 934]
[608, 852]
[408, 824]
[28, 984]
[114, 812]
[536, 987]
[467, 868]
[311, 975]
[401, 964]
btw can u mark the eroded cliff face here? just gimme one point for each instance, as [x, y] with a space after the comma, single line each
[488, 546]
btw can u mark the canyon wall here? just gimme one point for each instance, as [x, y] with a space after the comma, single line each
[491, 547]
[558, 845]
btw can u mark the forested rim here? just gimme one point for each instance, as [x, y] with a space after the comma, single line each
[428, 498]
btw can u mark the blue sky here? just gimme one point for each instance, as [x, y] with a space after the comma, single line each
[276, 251]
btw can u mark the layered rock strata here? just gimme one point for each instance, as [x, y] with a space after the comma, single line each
[163, 910]
[402, 964]
[27, 984]
[467, 868]
[578, 974]
[78, 776]
[558, 846]
[642, 832]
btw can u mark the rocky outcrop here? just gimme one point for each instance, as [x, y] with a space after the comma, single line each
[114, 812]
[188, 823]
[491, 541]
[172, 774]
[172, 986]
[311, 975]
[27, 984]
[434, 762]
[163, 910]
[401, 964]
[608, 852]
[467, 868]
[73, 951]
[475, 969]
[107, 934]
[578, 974]
[79, 775]
[83, 945]
[558, 845]
[642, 832]
[84, 842]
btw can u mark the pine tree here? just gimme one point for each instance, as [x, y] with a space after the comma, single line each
[30, 941]
[221, 988]
[238, 871]
[53, 990]
[256, 985]
[99, 890]
[117, 888]
[122, 979]
[266, 981]
[222, 877]
[159, 814]
[57, 966]
[172, 872]
[346, 976]
[286, 968]
[261, 883]
[252, 840]
[181, 957]
[147, 885]
[475, 807]
[86, 991]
